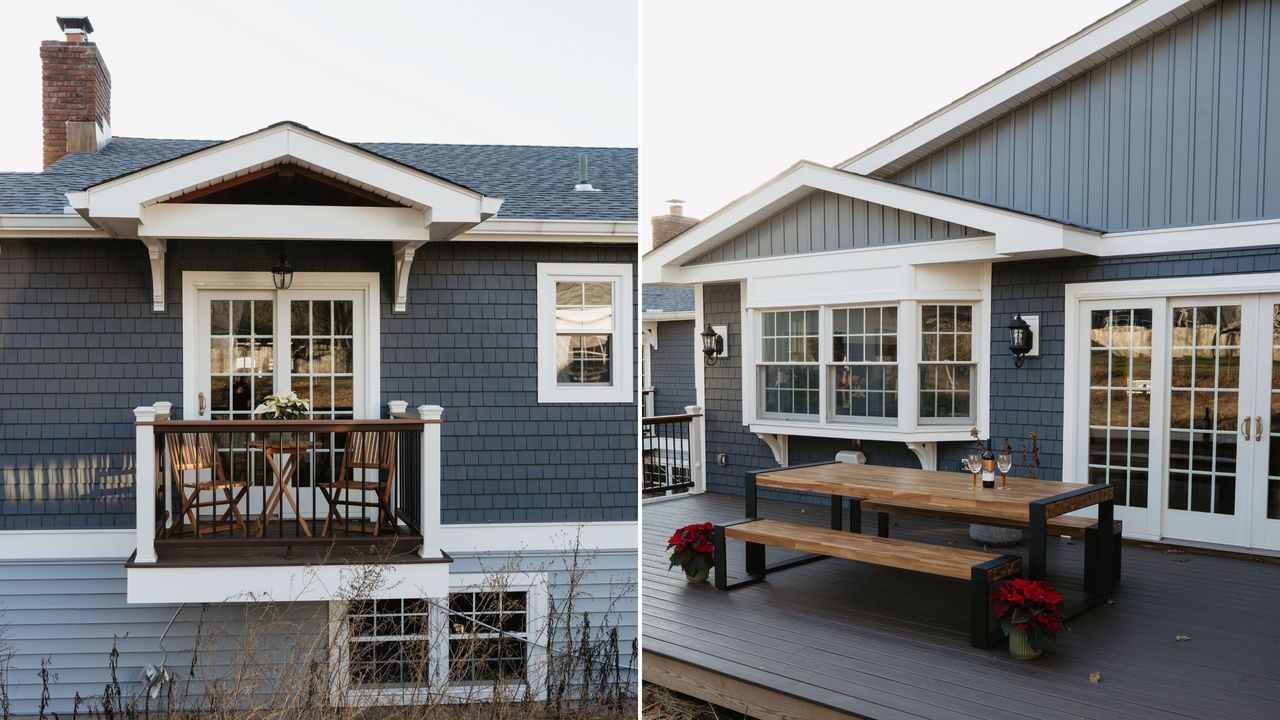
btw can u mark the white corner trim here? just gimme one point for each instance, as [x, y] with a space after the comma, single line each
[1050, 66]
[20, 545]
[620, 389]
[538, 537]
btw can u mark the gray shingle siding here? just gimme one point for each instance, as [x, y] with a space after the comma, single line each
[671, 370]
[823, 221]
[536, 181]
[665, 299]
[1181, 129]
[1031, 397]
[80, 347]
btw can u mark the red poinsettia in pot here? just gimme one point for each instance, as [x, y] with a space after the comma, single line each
[693, 551]
[1029, 611]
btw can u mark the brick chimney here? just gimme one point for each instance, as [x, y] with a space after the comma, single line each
[76, 90]
[672, 224]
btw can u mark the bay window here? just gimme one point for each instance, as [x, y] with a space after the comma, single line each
[901, 367]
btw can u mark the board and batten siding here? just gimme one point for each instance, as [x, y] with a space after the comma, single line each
[72, 612]
[80, 347]
[1181, 129]
[824, 221]
[671, 367]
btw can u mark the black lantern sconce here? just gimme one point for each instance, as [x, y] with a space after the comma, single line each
[282, 273]
[1021, 339]
[712, 344]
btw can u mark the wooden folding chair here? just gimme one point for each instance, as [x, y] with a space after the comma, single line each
[195, 452]
[365, 451]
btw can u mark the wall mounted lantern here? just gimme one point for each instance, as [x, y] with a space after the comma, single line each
[712, 344]
[1021, 339]
[282, 273]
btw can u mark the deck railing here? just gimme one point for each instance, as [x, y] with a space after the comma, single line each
[248, 483]
[672, 454]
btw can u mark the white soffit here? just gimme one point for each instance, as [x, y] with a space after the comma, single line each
[1015, 233]
[120, 204]
[1092, 46]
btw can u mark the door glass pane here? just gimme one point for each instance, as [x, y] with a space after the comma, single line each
[1120, 401]
[322, 366]
[1204, 391]
[1273, 437]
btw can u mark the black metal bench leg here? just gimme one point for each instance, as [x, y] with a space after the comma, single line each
[882, 524]
[755, 559]
[721, 559]
[984, 631]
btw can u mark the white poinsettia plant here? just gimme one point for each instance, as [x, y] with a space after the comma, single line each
[283, 407]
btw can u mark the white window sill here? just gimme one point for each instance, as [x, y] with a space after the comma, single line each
[923, 433]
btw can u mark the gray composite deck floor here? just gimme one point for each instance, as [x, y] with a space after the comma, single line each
[883, 643]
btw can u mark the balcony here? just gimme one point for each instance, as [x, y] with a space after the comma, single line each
[290, 510]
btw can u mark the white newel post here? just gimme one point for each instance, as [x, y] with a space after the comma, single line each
[697, 449]
[144, 483]
[431, 510]
[397, 406]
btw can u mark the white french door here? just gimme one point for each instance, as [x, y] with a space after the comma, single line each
[1177, 406]
[244, 343]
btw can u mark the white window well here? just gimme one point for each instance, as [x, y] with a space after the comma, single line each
[584, 333]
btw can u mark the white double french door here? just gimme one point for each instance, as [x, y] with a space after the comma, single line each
[250, 343]
[1180, 413]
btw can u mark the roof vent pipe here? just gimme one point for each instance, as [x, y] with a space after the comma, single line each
[584, 185]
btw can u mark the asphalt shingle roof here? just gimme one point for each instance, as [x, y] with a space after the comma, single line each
[657, 298]
[536, 181]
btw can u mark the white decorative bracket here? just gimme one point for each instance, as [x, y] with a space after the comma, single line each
[778, 445]
[404, 263]
[156, 248]
[926, 452]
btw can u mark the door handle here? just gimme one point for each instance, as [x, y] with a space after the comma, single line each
[1246, 427]
[1257, 428]
[200, 402]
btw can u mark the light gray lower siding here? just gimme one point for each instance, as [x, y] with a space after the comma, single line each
[73, 611]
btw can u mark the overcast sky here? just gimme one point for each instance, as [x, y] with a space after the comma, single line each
[552, 72]
[735, 91]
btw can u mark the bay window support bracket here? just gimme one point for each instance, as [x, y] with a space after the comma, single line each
[926, 453]
[778, 445]
[403, 253]
[156, 248]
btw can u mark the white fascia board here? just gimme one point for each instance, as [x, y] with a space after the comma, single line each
[125, 196]
[1050, 65]
[659, 316]
[68, 226]
[1221, 236]
[514, 537]
[570, 231]
[1014, 232]
[283, 222]
[293, 583]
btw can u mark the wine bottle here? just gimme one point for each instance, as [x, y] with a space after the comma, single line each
[988, 467]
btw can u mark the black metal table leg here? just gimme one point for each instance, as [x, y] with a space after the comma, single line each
[1037, 543]
[837, 512]
[855, 515]
[751, 495]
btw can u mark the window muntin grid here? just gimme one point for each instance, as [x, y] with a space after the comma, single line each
[322, 370]
[1120, 353]
[947, 364]
[241, 375]
[864, 362]
[1273, 434]
[488, 636]
[584, 333]
[789, 371]
[1204, 399]
[388, 642]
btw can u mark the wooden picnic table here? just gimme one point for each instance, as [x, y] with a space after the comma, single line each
[1024, 502]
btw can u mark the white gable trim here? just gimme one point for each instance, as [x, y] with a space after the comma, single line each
[1015, 233]
[118, 205]
[1082, 51]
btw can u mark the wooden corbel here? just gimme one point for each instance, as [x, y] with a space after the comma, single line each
[404, 263]
[778, 445]
[156, 248]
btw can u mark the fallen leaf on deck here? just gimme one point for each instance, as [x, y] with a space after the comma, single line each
[1173, 551]
[1182, 559]
[1181, 638]
[1095, 677]
[1111, 601]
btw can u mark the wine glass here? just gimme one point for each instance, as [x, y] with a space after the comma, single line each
[1004, 461]
[973, 464]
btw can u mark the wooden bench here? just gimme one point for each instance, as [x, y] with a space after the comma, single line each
[980, 569]
[1078, 528]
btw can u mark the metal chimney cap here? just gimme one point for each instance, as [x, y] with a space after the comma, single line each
[74, 24]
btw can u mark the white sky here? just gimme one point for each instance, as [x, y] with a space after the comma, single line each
[735, 91]
[552, 72]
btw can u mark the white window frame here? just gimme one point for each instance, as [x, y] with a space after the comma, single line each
[761, 365]
[620, 389]
[537, 603]
[830, 366]
[972, 363]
